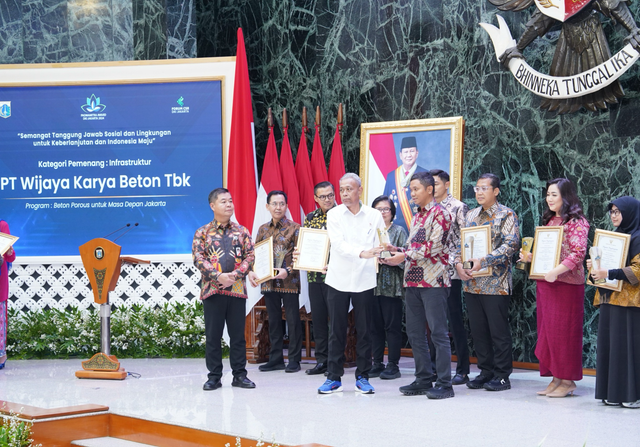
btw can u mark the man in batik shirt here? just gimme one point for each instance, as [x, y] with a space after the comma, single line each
[458, 211]
[223, 252]
[488, 297]
[427, 287]
[284, 288]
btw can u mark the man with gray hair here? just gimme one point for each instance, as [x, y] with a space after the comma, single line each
[351, 277]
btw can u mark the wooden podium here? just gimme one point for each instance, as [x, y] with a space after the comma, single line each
[102, 262]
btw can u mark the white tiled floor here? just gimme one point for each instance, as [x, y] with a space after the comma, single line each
[288, 407]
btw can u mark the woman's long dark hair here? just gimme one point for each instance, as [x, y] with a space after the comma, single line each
[571, 206]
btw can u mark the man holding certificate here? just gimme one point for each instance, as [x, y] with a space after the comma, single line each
[488, 296]
[427, 285]
[325, 197]
[223, 252]
[283, 288]
[351, 277]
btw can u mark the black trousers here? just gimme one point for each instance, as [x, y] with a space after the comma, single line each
[218, 310]
[386, 323]
[428, 306]
[274, 302]
[491, 334]
[338, 313]
[456, 325]
[318, 292]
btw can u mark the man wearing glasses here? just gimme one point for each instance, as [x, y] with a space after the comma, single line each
[488, 297]
[325, 197]
[283, 288]
[351, 277]
[397, 184]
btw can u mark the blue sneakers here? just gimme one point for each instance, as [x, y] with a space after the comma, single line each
[363, 386]
[330, 386]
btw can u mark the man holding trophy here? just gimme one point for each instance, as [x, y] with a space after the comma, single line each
[458, 211]
[284, 287]
[427, 287]
[485, 268]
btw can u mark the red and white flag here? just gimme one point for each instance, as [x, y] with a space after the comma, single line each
[269, 181]
[289, 181]
[336, 164]
[318, 165]
[242, 172]
[381, 160]
[303, 173]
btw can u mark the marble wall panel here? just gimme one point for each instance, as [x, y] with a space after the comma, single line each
[394, 60]
[11, 31]
[46, 31]
[149, 29]
[90, 30]
[181, 29]
[122, 38]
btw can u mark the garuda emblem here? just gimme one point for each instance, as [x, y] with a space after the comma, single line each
[583, 72]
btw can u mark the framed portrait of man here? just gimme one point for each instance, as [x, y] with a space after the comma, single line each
[391, 152]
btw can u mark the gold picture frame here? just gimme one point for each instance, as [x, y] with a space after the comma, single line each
[263, 263]
[313, 248]
[6, 242]
[547, 243]
[615, 248]
[440, 145]
[476, 243]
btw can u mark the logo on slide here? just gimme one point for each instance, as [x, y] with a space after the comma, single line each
[93, 105]
[5, 109]
[182, 108]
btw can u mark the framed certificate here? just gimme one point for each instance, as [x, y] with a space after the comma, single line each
[615, 248]
[313, 249]
[547, 244]
[476, 244]
[6, 241]
[263, 263]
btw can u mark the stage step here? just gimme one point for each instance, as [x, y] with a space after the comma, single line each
[108, 442]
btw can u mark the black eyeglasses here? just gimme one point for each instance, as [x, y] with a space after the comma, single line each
[326, 197]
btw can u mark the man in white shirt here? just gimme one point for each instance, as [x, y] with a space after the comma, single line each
[351, 277]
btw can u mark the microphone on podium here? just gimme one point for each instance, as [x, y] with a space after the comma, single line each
[127, 225]
[136, 224]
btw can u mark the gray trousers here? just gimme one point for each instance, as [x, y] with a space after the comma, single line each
[429, 306]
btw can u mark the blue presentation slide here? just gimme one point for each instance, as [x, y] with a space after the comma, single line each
[78, 162]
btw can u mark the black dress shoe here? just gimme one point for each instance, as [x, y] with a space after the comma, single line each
[271, 367]
[459, 379]
[478, 382]
[376, 369]
[212, 384]
[390, 372]
[416, 388]
[439, 392]
[242, 382]
[320, 368]
[292, 367]
[497, 384]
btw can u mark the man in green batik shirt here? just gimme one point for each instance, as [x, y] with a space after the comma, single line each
[325, 197]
